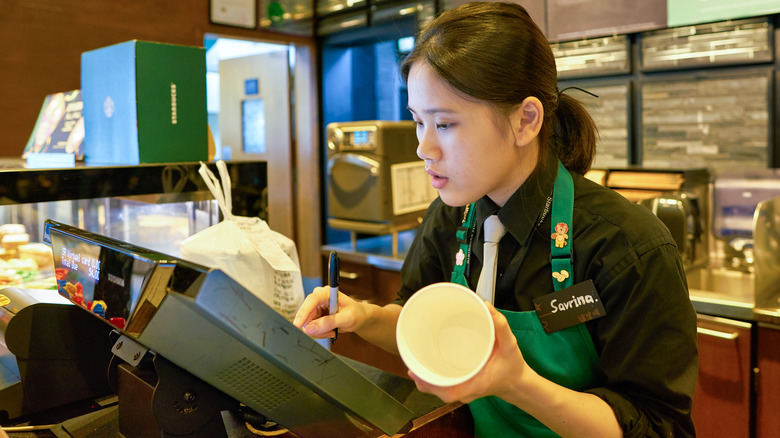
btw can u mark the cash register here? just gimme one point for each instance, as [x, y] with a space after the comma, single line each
[186, 347]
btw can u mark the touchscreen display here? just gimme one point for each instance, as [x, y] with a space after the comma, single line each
[108, 281]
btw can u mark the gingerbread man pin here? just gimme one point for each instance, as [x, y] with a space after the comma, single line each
[560, 235]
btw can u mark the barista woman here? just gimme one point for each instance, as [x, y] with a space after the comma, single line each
[499, 138]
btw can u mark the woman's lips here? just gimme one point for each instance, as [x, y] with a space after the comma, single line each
[437, 181]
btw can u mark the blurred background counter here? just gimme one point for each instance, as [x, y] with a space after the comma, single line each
[727, 227]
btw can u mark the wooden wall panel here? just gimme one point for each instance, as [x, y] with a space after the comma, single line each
[43, 41]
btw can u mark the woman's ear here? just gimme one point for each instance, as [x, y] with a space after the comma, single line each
[527, 121]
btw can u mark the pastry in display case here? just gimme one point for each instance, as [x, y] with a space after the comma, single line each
[20, 260]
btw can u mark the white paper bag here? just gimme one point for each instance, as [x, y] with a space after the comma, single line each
[263, 261]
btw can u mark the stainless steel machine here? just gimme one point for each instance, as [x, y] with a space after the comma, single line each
[376, 183]
[372, 167]
[745, 251]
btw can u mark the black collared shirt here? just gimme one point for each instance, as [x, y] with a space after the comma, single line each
[647, 340]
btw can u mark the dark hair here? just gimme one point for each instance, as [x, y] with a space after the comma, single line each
[494, 52]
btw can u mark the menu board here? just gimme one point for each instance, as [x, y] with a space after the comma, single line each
[681, 12]
[577, 19]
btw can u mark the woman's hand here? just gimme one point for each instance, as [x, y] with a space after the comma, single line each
[314, 319]
[504, 367]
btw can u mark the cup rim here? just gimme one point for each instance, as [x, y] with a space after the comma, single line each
[423, 372]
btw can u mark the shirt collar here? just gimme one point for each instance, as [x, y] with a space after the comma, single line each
[525, 208]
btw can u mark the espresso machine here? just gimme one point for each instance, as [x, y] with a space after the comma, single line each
[678, 197]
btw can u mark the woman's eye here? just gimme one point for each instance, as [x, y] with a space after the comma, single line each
[443, 126]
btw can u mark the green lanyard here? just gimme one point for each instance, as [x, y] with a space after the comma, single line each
[464, 234]
[561, 244]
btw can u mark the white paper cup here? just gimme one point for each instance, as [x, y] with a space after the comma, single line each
[445, 334]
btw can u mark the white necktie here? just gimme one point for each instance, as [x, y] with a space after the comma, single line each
[493, 231]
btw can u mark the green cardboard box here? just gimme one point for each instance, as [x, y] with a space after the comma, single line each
[144, 102]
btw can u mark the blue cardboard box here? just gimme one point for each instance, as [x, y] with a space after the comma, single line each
[144, 102]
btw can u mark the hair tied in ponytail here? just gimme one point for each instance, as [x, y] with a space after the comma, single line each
[577, 88]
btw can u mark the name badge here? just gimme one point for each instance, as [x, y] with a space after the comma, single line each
[568, 307]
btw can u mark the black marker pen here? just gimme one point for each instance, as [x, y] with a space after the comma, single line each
[333, 280]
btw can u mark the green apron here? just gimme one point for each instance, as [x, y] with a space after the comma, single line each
[566, 357]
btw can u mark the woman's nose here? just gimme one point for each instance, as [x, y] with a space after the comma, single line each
[427, 149]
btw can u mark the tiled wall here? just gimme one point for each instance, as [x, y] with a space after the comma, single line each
[718, 122]
[695, 96]
[731, 42]
[610, 111]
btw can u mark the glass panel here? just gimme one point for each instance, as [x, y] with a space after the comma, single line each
[325, 7]
[425, 11]
[159, 227]
[288, 16]
[253, 125]
[330, 25]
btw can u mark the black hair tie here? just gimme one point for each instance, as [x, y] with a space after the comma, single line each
[577, 88]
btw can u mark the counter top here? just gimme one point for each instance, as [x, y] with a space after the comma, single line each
[712, 292]
[104, 422]
[718, 304]
[374, 251]
[768, 316]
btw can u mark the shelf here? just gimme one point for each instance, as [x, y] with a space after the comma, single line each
[178, 181]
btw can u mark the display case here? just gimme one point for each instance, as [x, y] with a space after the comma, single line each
[152, 206]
